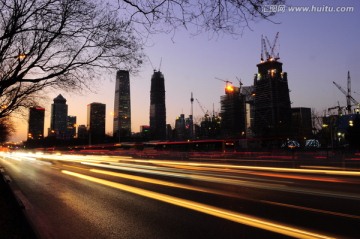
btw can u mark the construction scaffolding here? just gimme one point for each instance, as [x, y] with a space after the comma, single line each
[272, 114]
[233, 113]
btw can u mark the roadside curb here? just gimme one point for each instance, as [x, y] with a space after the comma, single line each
[29, 227]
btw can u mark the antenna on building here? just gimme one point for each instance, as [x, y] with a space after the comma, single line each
[160, 63]
[152, 66]
[192, 101]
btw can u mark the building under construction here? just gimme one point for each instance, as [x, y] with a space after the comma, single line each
[233, 116]
[272, 112]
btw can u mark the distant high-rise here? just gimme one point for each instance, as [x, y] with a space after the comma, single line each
[122, 106]
[96, 122]
[71, 127]
[36, 123]
[301, 123]
[59, 113]
[272, 113]
[157, 107]
[233, 120]
[82, 132]
[248, 92]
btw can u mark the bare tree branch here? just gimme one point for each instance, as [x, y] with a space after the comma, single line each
[214, 16]
[59, 43]
[68, 44]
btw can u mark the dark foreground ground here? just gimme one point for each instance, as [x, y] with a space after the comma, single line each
[13, 223]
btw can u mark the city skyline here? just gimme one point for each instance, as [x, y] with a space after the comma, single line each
[315, 49]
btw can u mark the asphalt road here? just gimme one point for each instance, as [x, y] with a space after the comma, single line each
[68, 196]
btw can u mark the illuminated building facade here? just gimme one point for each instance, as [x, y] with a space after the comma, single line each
[122, 106]
[157, 107]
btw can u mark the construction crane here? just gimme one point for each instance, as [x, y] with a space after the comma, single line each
[269, 54]
[349, 98]
[338, 107]
[273, 47]
[240, 83]
[202, 109]
[229, 88]
[226, 81]
[264, 51]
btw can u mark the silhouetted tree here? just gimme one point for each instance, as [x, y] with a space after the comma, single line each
[6, 129]
[68, 43]
[214, 16]
[59, 43]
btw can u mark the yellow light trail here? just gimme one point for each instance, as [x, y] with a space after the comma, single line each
[164, 183]
[194, 177]
[293, 170]
[212, 191]
[207, 209]
[245, 183]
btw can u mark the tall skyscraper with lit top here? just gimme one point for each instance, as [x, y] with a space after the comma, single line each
[122, 106]
[157, 107]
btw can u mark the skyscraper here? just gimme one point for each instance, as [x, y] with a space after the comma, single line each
[96, 122]
[122, 106]
[59, 113]
[157, 107]
[36, 123]
[272, 114]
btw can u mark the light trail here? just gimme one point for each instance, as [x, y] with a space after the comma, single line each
[237, 182]
[272, 175]
[294, 170]
[216, 192]
[164, 183]
[210, 210]
[308, 178]
[99, 159]
[192, 176]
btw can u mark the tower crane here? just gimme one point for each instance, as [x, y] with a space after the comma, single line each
[338, 107]
[349, 98]
[228, 87]
[226, 81]
[240, 83]
[264, 50]
[265, 44]
[202, 109]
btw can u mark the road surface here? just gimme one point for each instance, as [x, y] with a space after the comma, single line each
[73, 196]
